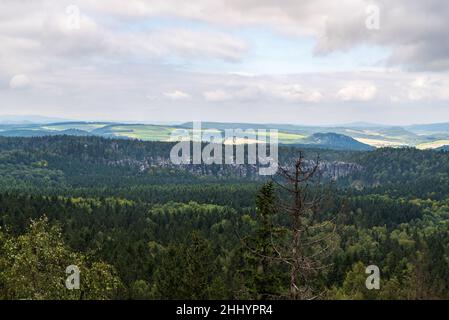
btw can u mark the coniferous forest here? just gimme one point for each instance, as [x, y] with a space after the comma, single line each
[137, 227]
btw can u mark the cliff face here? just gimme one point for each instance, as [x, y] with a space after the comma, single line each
[328, 169]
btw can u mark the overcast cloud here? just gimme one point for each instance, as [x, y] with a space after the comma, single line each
[255, 61]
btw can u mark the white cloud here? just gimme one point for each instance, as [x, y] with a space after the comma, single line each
[217, 95]
[256, 89]
[80, 93]
[38, 39]
[295, 93]
[177, 95]
[19, 81]
[191, 43]
[357, 92]
[414, 30]
[123, 48]
[428, 88]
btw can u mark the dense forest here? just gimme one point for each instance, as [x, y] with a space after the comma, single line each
[140, 228]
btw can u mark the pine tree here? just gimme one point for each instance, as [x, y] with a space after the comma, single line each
[265, 271]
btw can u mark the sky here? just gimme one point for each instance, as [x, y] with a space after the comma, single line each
[310, 62]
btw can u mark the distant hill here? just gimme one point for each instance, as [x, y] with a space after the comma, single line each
[42, 133]
[28, 119]
[443, 148]
[335, 141]
[362, 124]
[353, 136]
[429, 128]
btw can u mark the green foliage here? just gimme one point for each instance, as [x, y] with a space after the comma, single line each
[264, 277]
[189, 271]
[205, 233]
[34, 267]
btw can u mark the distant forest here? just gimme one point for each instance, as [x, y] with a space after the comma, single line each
[139, 227]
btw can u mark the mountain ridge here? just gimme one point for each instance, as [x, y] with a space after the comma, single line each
[354, 136]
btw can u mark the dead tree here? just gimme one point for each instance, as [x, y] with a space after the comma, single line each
[307, 242]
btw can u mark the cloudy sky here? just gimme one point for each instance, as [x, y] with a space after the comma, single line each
[286, 61]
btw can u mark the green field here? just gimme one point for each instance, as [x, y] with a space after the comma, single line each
[376, 136]
[433, 144]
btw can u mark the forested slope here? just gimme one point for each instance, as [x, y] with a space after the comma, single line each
[143, 230]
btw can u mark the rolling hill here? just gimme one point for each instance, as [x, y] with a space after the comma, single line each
[355, 136]
[336, 141]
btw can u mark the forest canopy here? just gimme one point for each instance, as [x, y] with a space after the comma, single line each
[138, 228]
